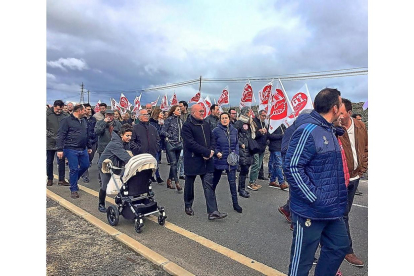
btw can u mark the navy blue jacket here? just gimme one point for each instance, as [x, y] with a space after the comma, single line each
[73, 134]
[275, 139]
[91, 128]
[198, 142]
[226, 141]
[145, 139]
[314, 171]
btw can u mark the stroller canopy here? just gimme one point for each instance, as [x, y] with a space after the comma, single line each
[139, 163]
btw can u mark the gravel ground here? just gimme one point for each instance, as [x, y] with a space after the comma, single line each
[75, 247]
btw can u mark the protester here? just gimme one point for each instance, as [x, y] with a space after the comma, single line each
[103, 130]
[99, 116]
[184, 110]
[133, 118]
[126, 119]
[357, 116]
[318, 197]
[117, 116]
[92, 136]
[227, 142]
[70, 108]
[65, 110]
[157, 121]
[171, 130]
[54, 117]
[233, 115]
[275, 162]
[116, 151]
[213, 118]
[74, 144]
[148, 107]
[184, 115]
[199, 149]
[261, 139]
[246, 131]
[145, 138]
[355, 145]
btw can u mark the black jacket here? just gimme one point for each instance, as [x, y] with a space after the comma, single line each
[52, 127]
[244, 133]
[171, 130]
[145, 139]
[212, 120]
[275, 139]
[91, 128]
[73, 134]
[198, 142]
[261, 139]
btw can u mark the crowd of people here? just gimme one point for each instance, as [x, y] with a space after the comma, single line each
[320, 158]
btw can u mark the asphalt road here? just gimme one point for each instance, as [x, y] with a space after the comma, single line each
[259, 233]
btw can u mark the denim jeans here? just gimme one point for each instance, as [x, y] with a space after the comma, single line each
[91, 155]
[158, 157]
[50, 156]
[254, 170]
[352, 187]
[174, 157]
[181, 164]
[276, 167]
[231, 177]
[78, 164]
[209, 192]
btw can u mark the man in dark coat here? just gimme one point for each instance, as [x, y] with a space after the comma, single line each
[74, 144]
[145, 138]
[213, 118]
[92, 136]
[54, 116]
[199, 147]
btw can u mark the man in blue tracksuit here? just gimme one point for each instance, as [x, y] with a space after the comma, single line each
[318, 196]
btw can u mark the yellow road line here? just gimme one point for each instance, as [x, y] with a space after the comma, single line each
[164, 263]
[240, 258]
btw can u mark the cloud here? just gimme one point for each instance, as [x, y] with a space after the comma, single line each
[71, 63]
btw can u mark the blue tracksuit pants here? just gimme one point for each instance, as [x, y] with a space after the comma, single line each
[332, 236]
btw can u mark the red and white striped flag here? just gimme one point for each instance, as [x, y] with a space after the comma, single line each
[300, 101]
[164, 103]
[247, 96]
[264, 96]
[279, 108]
[174, 100]
[96, 109]
[196, 98]
[224, 97]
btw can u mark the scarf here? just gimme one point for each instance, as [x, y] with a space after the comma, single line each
[249, 120]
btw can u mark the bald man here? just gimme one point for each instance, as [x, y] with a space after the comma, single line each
[199, 148]
[148, 107]
[144, 136]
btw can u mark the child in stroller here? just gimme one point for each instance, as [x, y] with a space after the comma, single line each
[134, 199]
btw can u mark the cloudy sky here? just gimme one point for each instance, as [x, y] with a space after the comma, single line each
[125, 46]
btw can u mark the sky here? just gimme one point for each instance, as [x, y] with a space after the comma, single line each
[125, 46]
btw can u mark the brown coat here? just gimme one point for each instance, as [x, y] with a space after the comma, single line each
[361, 144]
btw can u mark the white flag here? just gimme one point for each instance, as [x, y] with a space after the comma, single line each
[264, 96]
[279, 107]
[164, 103]
[300, 101]
[203, 103]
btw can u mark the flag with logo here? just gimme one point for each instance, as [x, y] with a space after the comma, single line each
[209, 103]
[279, 107]
[164, 103]
[137, 104]
[154, 103]
[115, 105]
[204, 104]
[174, 100]
[247, 96]
[96, 109]
[300, 101]
[224, 97]
[196, 98]
[123, 102]
[264, 96]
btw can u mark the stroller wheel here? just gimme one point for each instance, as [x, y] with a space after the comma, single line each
[138, 226]
[112, 215]
[161, 220]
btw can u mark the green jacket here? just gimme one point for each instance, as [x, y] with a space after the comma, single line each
[52, 127]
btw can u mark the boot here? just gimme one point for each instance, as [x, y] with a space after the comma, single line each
[237, 208]
[101, 206]
[49, 182]
[242, 185]
[177, 184]
[169, 184]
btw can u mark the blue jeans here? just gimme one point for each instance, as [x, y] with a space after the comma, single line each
[332, 236]
[78, 164]
[276, 167]
[158, 157]
[181, 164]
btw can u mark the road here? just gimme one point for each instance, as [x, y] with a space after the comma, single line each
[241, 244]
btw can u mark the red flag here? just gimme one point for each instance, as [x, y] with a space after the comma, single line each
[204, 104]
[115, 105]
[174, 100]
[97, 107]
[300, 101]
[279, 108]
[224, 97]
[123, 101]
[154, 103]
[247, 96]
[164, 103]
[137, 104]
[196, 98]
[264, 96]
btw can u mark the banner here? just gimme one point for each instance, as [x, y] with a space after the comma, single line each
[137, 104]
[154, 103]
[164, 103]
[264, 96]
[174, 100]
[196, 98]
[123, 101]
[300, 101]
[224, 97]
[279, 107]
[96, 109]
[204, 104]
[247, 96]
[115, 105]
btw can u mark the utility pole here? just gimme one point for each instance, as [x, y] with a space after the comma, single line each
[81, 96]
[199, 88]
[88, 96]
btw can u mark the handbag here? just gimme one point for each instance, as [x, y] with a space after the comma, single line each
[232, 158]
[178, 146]
[253, 146]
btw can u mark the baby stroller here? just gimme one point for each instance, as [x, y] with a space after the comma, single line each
[134, 199]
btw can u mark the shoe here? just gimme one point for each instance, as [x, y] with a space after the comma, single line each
[85, 179]
[216, 215]
[243, 193]
[179, 189]
[358, 193]
[237, 208]
[159, 180]
[169, 184]
[189, 211]
[49, 182]
[102, 208]
[274, 184]
[352, 259]
[252, 187]
[63, 183]
[284, 186]
[285, 213]
[258, 186]
[315, 261]
[263, 178]
[74, 195]
[338, 273]
[153, 179]
[182, 177]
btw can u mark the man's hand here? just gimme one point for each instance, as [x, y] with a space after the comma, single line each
[59, 154]
[211, 153]
[89, 150]
[219, 155]
[106, 120]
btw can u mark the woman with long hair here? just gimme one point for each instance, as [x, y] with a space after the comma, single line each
[157, 120]
[171, 130]
[126, 118]
[227, 147]
[117, 116]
